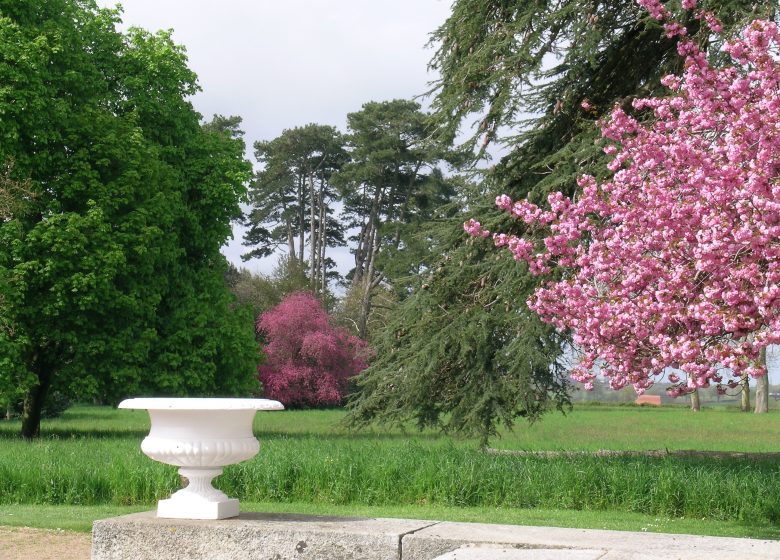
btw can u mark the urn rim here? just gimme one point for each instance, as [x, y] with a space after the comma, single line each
[189, 403]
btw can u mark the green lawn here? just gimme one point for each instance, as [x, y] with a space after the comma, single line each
[88, 465]
[591, 428]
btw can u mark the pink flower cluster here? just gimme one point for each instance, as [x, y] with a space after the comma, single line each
[673, 28]
[656, 8]
[675, 261]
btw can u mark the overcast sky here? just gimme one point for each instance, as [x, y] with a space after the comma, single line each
[285, 63]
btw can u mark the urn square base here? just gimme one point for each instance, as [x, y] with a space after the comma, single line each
[178, 509]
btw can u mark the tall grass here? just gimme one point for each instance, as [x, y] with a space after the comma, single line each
[92, 456]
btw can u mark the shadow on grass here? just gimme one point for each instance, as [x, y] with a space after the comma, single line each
[110, 423]
[54, 434]
[656, 453]
[11, 431]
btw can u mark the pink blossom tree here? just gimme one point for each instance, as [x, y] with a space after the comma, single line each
[674, 262]
[308, 360]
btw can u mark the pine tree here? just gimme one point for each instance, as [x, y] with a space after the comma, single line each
[460, 352]
[393, 180]
[292, 196]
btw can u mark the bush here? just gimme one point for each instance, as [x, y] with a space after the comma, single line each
[309, 361]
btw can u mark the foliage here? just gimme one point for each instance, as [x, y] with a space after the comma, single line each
[256, 291]
[15, 196]
[349, 307]
[448, 355]
[294, 188]
[511, 65]
[309, 360]
[289, 276]
[521, 70]
[262, 292]
[673, 262]
[390, 186]
[111, 278]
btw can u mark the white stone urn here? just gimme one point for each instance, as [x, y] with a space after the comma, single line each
[200, 436]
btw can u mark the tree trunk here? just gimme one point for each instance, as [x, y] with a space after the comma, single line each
[365, 306]
[360, 253]
[372, 245]
[762, 388]
[370, 281]
[312, 235]
[368, 238]
[33, 402]
[745, 401]
[695, 402]
[301, 217]
[323, 238]
[290, 239]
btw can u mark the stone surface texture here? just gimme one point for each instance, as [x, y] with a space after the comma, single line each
[258, 536]
[439, 539]
[499, 553]
[251, 536]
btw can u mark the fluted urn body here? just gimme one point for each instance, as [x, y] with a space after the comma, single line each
[200, 436]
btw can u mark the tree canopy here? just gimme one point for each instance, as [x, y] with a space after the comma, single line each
[520, 72]
[391, 185]
[112, 278]
[673, 261]
[309, 360]
[292, 195]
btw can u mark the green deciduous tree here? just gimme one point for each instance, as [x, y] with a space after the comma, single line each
[112, 277]
[15, 196]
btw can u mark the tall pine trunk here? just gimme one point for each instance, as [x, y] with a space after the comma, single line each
[312, 235]
[745, 397]
[370, 281]
[762, 388]
[322, 266]
[365, 306]
[301, 217]
[368, 233]
[290, 239]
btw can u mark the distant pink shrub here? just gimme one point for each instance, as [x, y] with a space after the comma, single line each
[309, 361]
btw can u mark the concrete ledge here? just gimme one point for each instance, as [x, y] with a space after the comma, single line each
[443, 538]
[499, 553]
[251, 536]
[258, 536]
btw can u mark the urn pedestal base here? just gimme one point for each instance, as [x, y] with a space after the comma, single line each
[173, 509]
[199, 499]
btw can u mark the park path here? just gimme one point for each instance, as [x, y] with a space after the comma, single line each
[23, 543]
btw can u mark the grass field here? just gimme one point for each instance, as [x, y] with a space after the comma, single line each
[88, 464]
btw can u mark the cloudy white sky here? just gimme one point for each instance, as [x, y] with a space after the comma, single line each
[285, 63]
